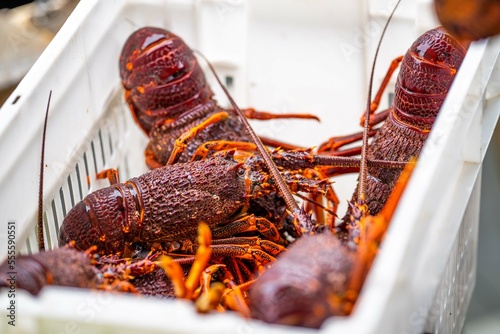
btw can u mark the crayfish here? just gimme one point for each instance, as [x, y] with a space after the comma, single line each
[303, 289]
[171, 101]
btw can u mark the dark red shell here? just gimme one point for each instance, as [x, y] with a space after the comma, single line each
[298, 287]
[307, 282]
[427, 71]
[161, 76]
[168, 204]
[62, 266]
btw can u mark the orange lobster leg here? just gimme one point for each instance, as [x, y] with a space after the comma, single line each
[243, 252]
[111, 174]
[185, 288]
[234, 300]
[246, 224]
[213, 294]
[334, 143]
[277, 143]
[180, 143]
[254, 242]
[264, 115]
[221, 145]
[210, 293]
[330, 195]
[376, 119]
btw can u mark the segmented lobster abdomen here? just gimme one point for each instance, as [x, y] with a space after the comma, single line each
[427, 72]
[161, 76]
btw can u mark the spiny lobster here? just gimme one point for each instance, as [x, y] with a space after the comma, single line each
[302, 289]
[168, 95]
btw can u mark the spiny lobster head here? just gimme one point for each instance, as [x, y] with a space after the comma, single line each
[161, 77]
[102, 220]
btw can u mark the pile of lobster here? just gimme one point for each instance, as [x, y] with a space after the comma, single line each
[216, 220]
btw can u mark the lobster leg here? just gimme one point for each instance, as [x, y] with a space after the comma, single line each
[221, 145]
[246, 224]
[374, 117]
[212, 295]
[254, 253]
[234, 300]
[254, 242]
[185, 288]
[330, 195]
[180, 143]
[264, 115]
[111, 174]
[239, 269]
[276, 143]
[333, 144]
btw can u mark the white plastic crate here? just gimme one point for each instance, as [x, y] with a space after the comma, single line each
[283, 56]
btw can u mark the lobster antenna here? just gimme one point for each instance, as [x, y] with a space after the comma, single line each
[290, 201]
[41, 241]
[315, 203]
[363, 168]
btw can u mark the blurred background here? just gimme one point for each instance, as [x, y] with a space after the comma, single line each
[27, 27]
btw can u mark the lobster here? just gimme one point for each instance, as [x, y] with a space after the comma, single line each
[469, 20]
[436, 57]
[302, 289]
[70, 267]
[167, 203]
[168, 95]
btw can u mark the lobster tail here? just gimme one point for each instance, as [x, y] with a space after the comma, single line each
[427, 71]
[161, 76]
